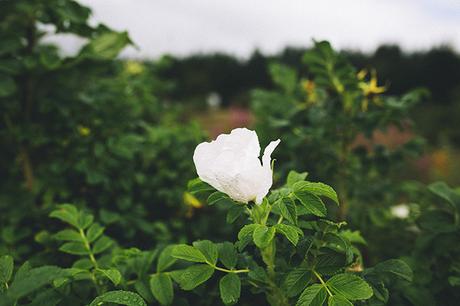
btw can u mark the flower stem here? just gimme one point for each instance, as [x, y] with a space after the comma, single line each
[322, 282]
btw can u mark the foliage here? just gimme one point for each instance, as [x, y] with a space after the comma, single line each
[84, 128]
[333, 114]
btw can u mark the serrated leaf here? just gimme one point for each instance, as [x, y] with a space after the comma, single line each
[187, 252]
[296, 281]
[198, 186]
[234, 212]
[230, 288]
[395, 267]
[102, 244]
[245, 235]
[68, 235]
[194, 276]
[30, 280]
[165, 260]
[350, 286]
[287, 209]
[85, 220]
[94, 232]
[294, 177]
[112, 274]
[337, 300]
[217, 197]
[6, 268]
[74, 248]
[289, 231]
[318, 189]
[227, 254]
[119, 297]
[263, 235]
[162, 288]
[208, 249]
[314, 295]
[311, 202]
[67, 213]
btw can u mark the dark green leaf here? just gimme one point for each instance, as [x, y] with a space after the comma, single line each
[230, 288]
[296, 281]
[102, 244]
[162, 288]
[350, 286]
[194, 276]
[187, 252]
[395, 267]
[94, 232]
[318, 189]
[311, 203]
[227, 254]
[263, 235]
[74, 248]
[208, 249]
[6, 268]
[68, 235]
[289, 231]
[287, 209]
[315, 295]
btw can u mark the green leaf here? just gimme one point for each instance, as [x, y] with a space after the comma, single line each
[329, 261]
[85, 220]
[311, 203]
[315, 295]
[287, 209]
[7, 86]
[162, 288]
[245, 235]
[102, 244]
[443, 190]
[165, 260]
[6, 268]
[198, 186]
[74, 248]
[234, 212]
[194, 276]
[318, 189]
[395, 267]
[294, 177]
[119, 297]
[67, 213]
[29, 280]
[68, 235]
[217, 197]
[230, 288]
[351, 286]
[105, 46]
[227, 254]
[296, 281]
[338, 300]
[263, 235]
[112, 274]
[94, 232]
[189, 253]
[208, 249]
[289, 231]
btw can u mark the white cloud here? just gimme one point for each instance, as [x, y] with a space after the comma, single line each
[238, 26]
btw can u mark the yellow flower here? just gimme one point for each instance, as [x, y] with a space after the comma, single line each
[371, 87]
[133, 67]
[191, 200]
[84, 131]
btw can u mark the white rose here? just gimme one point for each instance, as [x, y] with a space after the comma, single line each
[400, 211]
[231, 164]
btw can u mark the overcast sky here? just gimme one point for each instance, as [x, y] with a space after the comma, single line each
[181, 27]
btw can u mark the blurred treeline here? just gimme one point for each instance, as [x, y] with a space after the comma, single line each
[232, 78]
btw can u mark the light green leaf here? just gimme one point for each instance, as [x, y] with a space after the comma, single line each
[208, 249]
[189, 253]
[294, 177]
[6, 268]
[230, 288]
[94, 232]
[102, 244]
[67, 213]
[105, 46]
[162, 288]
[74, 248]
[318, 189]
[337, 300]
[289, 231]
[245, 235]
[350, 286]
[194, 276]
[227, 254]
[119, 297]
[263, 235]
[112, 274]
[311, 203]
[165, 260]
[68, 235]
[287, 209]
[29, 280]
[315, 295]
